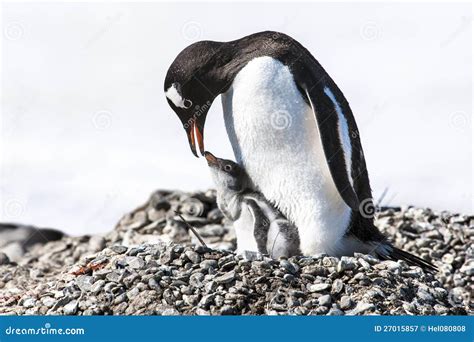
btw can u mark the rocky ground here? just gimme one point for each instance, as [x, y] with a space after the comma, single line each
[152, 264]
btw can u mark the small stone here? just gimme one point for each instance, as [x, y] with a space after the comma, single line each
[97, 286]
[318, 287]
[29, 302]
[227, 310]
[315, 270]
[114, 276]
[448, 258]
[135, 262]
[424, 296]
[365, 265]
[324, 300]
[133, 293]
[361, 308]
[346, 263]
[193, 257]
[393, 266]
[414, 273]
[85, 282]
[346, 302]
[48, 301]
[153, 284]
[468, 268]
[170, 312]
[288, 266]
[211, 286]
[206, 300]
[225, 278]
[337, 286]
[196, 279]
[440, 309]
[335, 312]
[96, 243]
[206, 264]
[119, 249]
[71, 308]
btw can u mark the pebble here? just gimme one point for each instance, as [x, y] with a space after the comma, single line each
[288, 266]
[325, 300]
[361, 308]
[71, 308]
[48, 301]
[97, 286]
[119, 249]
[425, 296]
[346, 263]
[193, 257]
[135, 262]
[337, 286]
[85, 282]
[29, 302]
[318, 287]
[226, 278]
[346, 302]
[97, 243]
[205, 264]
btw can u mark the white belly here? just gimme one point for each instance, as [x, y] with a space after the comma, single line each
[275, 137]
[244, 231]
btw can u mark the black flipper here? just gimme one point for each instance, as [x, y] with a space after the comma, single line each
[328, 124]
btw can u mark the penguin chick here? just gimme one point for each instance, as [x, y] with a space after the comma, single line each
[258, 225]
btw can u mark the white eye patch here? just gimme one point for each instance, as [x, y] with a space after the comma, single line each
[174, 96]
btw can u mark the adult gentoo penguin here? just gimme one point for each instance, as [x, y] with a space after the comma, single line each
[292, 130]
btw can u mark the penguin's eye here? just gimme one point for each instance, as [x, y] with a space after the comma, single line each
[227, 168]
[187, 103]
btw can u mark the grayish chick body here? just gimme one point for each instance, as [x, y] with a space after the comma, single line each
[259, 226]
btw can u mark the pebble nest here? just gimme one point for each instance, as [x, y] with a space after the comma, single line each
[151, 264]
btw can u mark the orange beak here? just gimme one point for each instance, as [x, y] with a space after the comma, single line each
[194, 134]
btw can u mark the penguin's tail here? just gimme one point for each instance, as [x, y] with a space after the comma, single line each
[387, 251]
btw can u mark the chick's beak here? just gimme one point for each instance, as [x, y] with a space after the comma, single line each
[211, 159]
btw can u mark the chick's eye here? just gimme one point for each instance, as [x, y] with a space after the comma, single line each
[228, 168]
[187, 103]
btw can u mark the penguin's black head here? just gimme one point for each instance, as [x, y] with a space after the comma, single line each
[193, 81]
[226, 173]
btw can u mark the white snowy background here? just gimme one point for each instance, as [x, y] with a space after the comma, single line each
[87, 134]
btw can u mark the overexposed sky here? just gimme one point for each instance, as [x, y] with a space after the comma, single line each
[87, 133]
